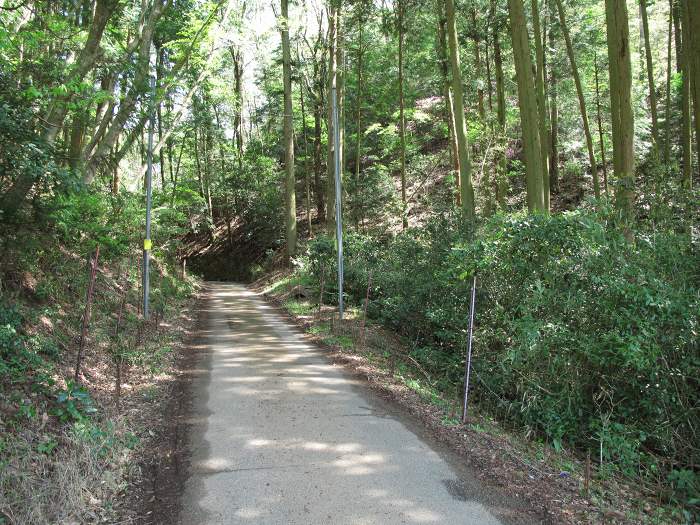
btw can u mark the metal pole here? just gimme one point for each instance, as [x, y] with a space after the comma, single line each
[468, 364]
[149, 173]
[338, 201]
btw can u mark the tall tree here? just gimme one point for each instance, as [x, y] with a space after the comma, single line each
[441, 45]
[683, 67]
[541, 101]
[333, 21]
[86, 61]
[401, 29]
[691, 42]
[599, 114]
[620, 65]
[650, 73]
[362, 7]
[477, 65]
[465, 167]
[290, 183]
[581, 98]
[500, 105]
[527, 101]
[669, 73]
[553, 102]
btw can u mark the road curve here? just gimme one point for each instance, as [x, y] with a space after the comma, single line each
[284, 437]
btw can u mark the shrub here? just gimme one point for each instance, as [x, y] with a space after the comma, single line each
[580, 337]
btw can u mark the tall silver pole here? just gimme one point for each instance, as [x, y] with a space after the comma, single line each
[468, 364]
[338, 200]
[149, 173]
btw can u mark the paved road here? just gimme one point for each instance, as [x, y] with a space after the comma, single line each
[287, 438]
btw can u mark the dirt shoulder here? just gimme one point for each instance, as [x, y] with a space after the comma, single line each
[165, 455]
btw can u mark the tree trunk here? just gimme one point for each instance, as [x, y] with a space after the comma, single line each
[447, 93]
[669, 59]
[332, 83]
[358, 145]
[621, 109]
[85, 62]
[489, 80]
[541, 101]
[307, 164]
[477, 67]
[501, 178]
[402, 117]
[527, 101]
[465, 167]
[684, 64]
[554, 106]
[600, 125]
[318, 185]
[127, 105]
[290, 185]
[160, 57]
[650, 74]
[236, 55]
[692, 19]
[581, 100]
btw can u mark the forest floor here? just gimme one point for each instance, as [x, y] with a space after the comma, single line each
[556, 486]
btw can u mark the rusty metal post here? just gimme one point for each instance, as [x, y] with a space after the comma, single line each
[86, 314]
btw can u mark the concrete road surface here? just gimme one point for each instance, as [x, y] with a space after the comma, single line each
[288, 438]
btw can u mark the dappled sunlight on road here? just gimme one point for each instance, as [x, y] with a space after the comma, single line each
[291, 439]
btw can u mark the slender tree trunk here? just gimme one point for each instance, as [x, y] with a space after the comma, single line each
[620, 65]
[198, 164]
[159, 114]
[465, 167]
[527, 101]
[541, 101]
[478, 68]
[669, 58]
[402, 117]
[358, 146]
[581, 100]
[447, 94]
[489, 80]
[85, 62]
[691, 18]
[684, 64]
[307, 163]
[128, 104]
[553, 109]
[77, 133]
[600, 125]
[340, 87]
[650, 74]
[207, 144]
[288, 136]
[115, 173]
[236, 55]
[554, 135]
[318, 185]
[332, 83]
[501, 184]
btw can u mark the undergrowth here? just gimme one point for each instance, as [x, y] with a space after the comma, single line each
[582, 339]
[68, 448]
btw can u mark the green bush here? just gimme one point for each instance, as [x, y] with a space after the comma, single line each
[580, 337]
[21, 359]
